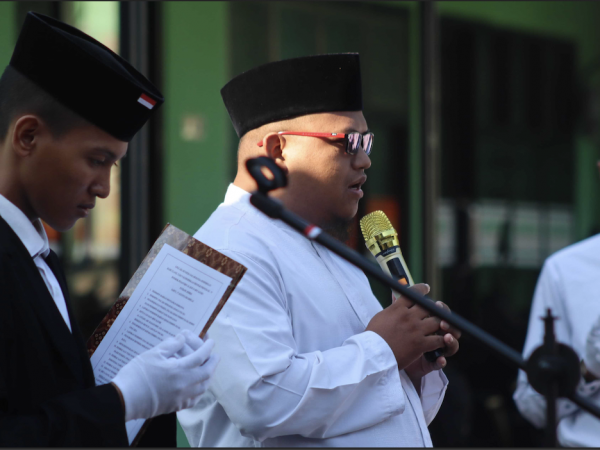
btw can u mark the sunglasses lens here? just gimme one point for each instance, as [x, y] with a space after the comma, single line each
[367, 142]
[354, 140]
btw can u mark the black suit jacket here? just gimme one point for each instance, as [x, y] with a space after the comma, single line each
[47, 390]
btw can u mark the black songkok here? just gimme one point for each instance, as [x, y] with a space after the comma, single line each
[293, 87]
[85, 76]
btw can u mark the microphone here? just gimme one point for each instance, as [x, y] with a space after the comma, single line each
[382, 241]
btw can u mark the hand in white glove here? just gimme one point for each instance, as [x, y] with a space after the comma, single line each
[592, 350]
[169, 377]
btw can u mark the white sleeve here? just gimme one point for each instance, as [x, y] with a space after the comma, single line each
[592, 349]
[548, 294]
[433, 390]
[580, 429]
[268, 388]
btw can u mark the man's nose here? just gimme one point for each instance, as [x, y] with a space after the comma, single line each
[362, 160]
[101, 187]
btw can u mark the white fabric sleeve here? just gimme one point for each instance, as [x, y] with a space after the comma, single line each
[580, 429]
[269, 388]
[548, 294]
[433, 390]
[592, 349]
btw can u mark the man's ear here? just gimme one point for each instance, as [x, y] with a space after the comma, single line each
[26, 134]
[273, 145]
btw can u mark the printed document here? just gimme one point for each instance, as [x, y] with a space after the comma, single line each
[177, 292]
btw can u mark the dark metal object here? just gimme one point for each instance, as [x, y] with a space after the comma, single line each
[141, 219]
[433, 355]
[256, 168]
[553, 361]
[430, 138]
[134, 168]
[553, 371]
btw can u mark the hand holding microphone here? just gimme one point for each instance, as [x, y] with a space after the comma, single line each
[409, 330]
[382, 241]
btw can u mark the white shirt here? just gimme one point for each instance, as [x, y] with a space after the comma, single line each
[33, 236]
[569, 284]
[297, 368]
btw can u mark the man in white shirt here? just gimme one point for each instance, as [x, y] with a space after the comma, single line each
[68, 108]
[569, 284]
[309, 358]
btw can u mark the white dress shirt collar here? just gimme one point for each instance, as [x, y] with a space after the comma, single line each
[240, 198]
[236, 194]
[34, 238]
[32, 234]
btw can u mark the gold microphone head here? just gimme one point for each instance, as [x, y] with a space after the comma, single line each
[378, 232]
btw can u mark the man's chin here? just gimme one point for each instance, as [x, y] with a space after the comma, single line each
[340, 228]
[61, 225]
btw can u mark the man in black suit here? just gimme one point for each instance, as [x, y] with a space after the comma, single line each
[68, 108]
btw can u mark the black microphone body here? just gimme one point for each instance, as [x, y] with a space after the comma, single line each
[398, 271]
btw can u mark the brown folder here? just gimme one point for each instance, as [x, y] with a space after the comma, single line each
[188, 245]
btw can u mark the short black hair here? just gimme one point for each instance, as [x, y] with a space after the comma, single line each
[19, 96]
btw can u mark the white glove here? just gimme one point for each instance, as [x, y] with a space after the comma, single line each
[592, 350]
[169, 377]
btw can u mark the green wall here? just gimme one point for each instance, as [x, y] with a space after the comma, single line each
[196, 67]
[196, 64]
[8, 34]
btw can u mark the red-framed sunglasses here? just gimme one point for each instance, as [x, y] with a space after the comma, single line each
[354, 140]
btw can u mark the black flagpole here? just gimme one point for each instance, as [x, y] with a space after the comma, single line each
[552, 369]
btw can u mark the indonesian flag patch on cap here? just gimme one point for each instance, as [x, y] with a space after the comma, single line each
[146, 101]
